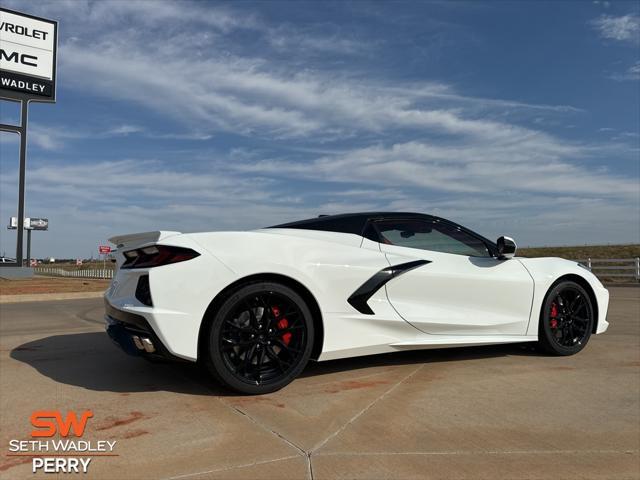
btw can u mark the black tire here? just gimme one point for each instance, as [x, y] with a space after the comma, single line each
[566, 319]
[260, 338]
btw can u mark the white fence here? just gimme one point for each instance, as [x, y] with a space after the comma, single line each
[614, 267]
[84, 273]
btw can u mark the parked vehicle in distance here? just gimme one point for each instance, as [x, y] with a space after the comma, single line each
[255, 306]
[7, 260]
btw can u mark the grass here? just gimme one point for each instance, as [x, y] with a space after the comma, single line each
[51, 285]
[583, 252]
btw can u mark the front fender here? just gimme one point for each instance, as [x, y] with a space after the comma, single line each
[546, 271]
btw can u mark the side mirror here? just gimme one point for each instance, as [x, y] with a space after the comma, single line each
[506, 247]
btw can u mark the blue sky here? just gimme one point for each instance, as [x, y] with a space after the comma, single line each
[517, 118]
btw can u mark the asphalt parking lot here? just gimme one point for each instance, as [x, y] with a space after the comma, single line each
[491, 412]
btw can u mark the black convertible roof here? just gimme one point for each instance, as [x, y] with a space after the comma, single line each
[357, 222]
[349, 222]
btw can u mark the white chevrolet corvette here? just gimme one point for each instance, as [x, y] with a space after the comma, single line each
[255, 306]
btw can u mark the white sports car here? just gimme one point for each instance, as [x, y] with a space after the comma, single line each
[255, 306]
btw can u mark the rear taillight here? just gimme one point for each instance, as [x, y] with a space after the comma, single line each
[156, 255]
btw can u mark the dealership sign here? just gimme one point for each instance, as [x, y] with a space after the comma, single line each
[27, 56]
[36, 223]
[29, 223]
[28, 48]
[104, 249]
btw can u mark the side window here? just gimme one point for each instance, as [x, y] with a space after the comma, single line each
[430, 235]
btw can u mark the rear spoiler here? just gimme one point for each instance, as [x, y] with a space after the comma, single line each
[139, 239]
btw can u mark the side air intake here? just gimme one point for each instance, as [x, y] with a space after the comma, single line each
[361, 296]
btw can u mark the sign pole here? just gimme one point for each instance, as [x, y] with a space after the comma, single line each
[29, 247]
[23, 169]
[22, 131]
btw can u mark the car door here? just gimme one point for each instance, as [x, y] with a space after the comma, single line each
[463, 290]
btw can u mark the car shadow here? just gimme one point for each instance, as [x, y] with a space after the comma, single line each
[91, 361]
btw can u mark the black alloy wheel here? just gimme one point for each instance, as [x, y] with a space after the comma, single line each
[567, 319]
[261, 338]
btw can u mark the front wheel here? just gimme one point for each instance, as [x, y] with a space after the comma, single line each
[566, 320]
[260, 339]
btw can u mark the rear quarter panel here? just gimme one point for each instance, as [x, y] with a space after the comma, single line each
[330, 270]
[181, 293]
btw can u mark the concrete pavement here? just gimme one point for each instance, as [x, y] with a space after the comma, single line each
[490, 412]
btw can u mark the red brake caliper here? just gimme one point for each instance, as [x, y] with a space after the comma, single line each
[282, 324]
[553, 323]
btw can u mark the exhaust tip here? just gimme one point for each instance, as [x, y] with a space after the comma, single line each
[137, 342]
[148, 345]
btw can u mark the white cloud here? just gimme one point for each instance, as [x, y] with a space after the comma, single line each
[535, 165]
[528, 203]
[629, 136]
[624, 28]
[43, 137]
[124, 130]
[250, 97]
[200, 75]
[150, 180]
[90, 205]
[82, 16]
[55, 138]
[287, 38]
[632, 73]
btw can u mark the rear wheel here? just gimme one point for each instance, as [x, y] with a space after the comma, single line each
[566, 320]
[260, 339]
